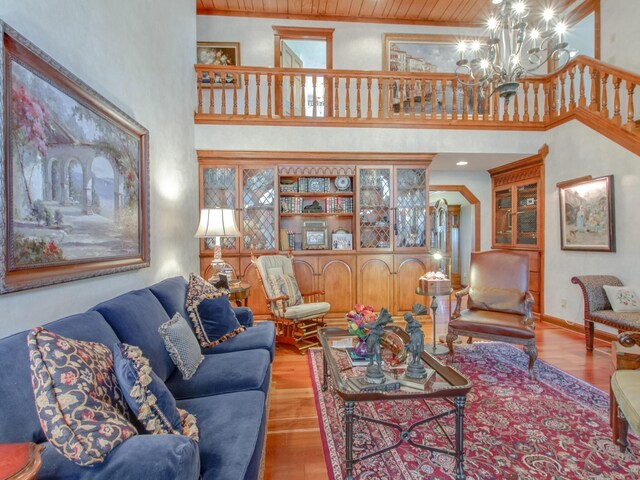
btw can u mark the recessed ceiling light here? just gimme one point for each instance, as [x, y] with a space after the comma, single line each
[462, 163]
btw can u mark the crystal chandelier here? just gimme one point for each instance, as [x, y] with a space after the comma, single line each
[514, 50]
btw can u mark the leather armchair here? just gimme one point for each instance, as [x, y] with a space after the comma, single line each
[499, 304]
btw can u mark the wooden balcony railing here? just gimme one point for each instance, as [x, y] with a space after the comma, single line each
[585, 89]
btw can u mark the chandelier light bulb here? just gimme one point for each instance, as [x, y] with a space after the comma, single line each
[514, 49]
[547, 14]
[519, 7]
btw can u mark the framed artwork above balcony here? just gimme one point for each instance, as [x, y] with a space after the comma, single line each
[434, 56]
[219, 54]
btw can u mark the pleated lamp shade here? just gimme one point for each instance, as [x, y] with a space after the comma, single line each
[217, 222]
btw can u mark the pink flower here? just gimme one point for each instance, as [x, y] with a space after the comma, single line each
[68, 378]
[87, 415]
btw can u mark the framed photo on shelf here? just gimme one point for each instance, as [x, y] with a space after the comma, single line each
[67, 152]
[219, 53]
[341, 240]
[314, 238]
[587, 214]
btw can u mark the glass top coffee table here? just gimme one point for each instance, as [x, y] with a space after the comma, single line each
[445, 383]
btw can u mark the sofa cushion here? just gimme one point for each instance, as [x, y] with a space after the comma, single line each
[143, 457]
[263, 336]
[135, 317]
[182, 345]
[198, 290]
[225, 373]
[307, 310]
[79, 401]
[234, 426]
[282, 284]
[16, 392]
[171, 293]
[625, 320]
[148, 397]
[218, 320]
[622, 299]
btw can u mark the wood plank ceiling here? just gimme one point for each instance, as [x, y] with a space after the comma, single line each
[420, 12]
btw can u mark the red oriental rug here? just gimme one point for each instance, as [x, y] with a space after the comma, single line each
[515, 428]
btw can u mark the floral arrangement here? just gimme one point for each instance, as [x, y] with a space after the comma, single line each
[359, 320]
[434, 276]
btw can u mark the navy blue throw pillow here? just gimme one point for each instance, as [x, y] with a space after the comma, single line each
[218, 319]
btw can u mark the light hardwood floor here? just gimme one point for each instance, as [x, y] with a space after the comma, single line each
[294, 446]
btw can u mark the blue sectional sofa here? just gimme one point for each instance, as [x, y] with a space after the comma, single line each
[228, 394]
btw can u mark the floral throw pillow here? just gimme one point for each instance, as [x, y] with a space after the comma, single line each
[622, 299]
[148, 396]
[283, 284]
[197, 290]
[81, 408]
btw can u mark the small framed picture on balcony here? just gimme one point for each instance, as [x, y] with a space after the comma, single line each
[219, 54]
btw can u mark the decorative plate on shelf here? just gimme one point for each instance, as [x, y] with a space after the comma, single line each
[343, 184]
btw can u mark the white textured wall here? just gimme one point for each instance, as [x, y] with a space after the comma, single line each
[575, 151]
[138, 54]
[619, 33]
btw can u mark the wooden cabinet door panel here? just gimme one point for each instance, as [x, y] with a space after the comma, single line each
[375, 281]
[305, 269]
[408, 270]
[337, 277]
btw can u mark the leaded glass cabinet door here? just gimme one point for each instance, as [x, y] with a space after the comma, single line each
[259, 218]
[220, 190]
[411, 225]
[375, 216]
[503, 217]
[527, 214]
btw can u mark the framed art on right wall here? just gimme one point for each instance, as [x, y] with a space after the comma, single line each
[587, 214]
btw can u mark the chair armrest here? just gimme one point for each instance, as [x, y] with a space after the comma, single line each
[271, 301]
[629, 339]
[459, 295]
[244, 316]
[528, 308]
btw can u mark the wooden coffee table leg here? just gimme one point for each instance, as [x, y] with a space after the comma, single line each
[348, 413]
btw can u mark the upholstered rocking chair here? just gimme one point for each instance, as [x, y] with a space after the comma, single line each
[297, 316]
[499, 303]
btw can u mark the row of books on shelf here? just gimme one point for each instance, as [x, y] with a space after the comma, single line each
[306, 184]
[331, 205]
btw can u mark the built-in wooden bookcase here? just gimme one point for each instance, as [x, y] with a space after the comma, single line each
[518, 215]
[357, 223]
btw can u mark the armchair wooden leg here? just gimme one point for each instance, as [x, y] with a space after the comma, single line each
[451, 337]
[532, 350]
[613, 415]
[588, 334]
[623, 427]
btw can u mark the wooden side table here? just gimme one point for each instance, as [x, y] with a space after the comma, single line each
[622, 358]
[20, 461]
[240, 293]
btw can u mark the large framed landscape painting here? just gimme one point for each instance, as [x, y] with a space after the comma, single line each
[587, 214]
[429, 54]
[74, 176]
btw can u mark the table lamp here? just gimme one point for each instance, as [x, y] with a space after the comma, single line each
[217, 223]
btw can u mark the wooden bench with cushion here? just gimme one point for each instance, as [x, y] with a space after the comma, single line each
[597, 308]
[625, 389]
